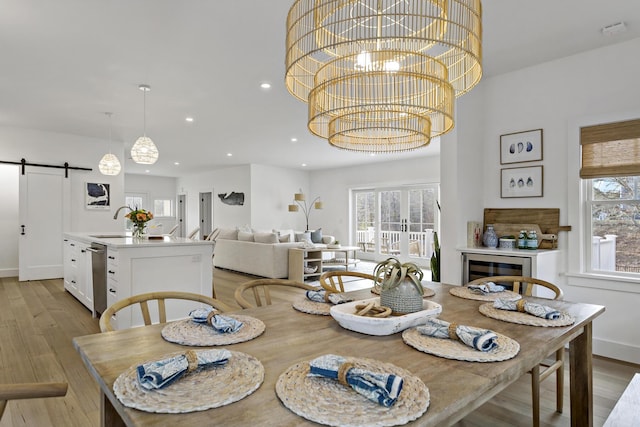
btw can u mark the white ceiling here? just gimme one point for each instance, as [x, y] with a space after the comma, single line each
[66, 62]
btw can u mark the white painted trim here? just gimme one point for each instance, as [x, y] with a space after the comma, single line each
[616, 350]
[9, 272]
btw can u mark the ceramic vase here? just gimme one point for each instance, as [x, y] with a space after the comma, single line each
[490, 238]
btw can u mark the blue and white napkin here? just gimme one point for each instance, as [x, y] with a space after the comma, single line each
[159, 374]
[334, 298]
[378, 387]
[486, 288]
[524, 306]
[476, 338]
[222, 324]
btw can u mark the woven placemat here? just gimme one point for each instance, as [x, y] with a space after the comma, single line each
[188, 332]
[305, 305]
[464, 292]
[328, 402]
[428, 292]
[197, 391]
[452, 349]
[489, 310]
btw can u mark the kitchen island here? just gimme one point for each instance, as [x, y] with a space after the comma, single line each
[134, 266]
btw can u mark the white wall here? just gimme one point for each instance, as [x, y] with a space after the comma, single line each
[54, 149]
[272, 191]
[222, 181]
[553, 96]
[9, 224]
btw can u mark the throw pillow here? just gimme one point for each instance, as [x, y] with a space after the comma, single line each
[245, 236]
[285, 238]
[228, 234]
[265, 237]
[304, 237]
[285, 232]
[316, 236]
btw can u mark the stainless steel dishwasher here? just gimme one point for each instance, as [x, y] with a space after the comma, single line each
[99, 270]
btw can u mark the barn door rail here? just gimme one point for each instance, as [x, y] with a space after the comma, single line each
[23, 164]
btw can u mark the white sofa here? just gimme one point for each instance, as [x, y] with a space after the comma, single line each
[260, 259]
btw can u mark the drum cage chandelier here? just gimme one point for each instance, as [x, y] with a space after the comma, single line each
[382, 75]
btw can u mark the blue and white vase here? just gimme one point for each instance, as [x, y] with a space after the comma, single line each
[490, 238]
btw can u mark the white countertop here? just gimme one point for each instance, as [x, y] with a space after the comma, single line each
[124, 239]
[503, 251]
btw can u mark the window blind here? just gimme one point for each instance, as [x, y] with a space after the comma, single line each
[611, 149]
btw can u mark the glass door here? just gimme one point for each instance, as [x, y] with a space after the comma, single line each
[396, 222]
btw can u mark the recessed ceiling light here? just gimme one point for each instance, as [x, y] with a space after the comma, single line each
[372, 154]
[294, 139]
[265, 85]
[147, 170]
[176, 163]
[229, 154]
[304, 164]
[189, 119]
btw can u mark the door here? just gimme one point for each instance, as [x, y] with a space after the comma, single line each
[206, 215]
[396, 222]
[181, 214]
[44, 213]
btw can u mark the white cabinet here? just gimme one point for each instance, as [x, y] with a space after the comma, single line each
[137, 270]
[78, 280]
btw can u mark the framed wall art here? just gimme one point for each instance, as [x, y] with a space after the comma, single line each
[521, 182]
[98, 196]
[521, 147]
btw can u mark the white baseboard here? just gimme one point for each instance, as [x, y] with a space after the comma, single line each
[8, 272]
[615, 350]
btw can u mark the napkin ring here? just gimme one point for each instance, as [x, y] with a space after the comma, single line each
[192, 360]
[520, 305]
[210, 316]
[452, 331]
[342, 372]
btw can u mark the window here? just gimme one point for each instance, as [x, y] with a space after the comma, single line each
[163, 208]
[611, 172]
[396, 221]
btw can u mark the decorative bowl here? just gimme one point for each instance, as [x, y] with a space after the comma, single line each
[507, 243]
[344, 315]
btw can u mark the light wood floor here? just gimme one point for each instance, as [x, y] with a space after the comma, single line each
[39, 319]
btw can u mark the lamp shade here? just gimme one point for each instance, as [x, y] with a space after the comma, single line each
[317, 205]
[144, 151]
[299, 197]
[293, 208]
[109, 165]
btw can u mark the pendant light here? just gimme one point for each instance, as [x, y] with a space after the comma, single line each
[144, 151]
[382, 75]
[109, 164]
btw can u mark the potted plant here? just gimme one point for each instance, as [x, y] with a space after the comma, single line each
[400, 285]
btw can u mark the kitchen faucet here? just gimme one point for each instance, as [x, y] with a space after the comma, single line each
[119, 209]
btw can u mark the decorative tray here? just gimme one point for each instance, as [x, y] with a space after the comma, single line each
[344, 315]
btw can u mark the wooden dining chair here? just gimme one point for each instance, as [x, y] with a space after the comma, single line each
[173, 230]
[334, 281]
[29, 391]
[526, 286]
[159, 297]
[193, 233]
[262, 285]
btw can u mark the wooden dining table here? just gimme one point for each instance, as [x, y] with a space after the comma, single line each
[456, 387]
